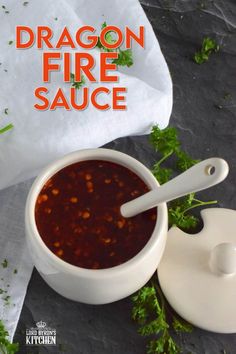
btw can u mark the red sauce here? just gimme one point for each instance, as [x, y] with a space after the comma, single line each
[78, 215]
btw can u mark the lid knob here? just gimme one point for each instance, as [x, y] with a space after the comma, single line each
[223, 259]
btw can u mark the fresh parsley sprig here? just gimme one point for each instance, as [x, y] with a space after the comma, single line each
[209, 46]
[166, 142]
[77, 84]
[178, 212]
[150, 312]
[6, 347]
[125, 57]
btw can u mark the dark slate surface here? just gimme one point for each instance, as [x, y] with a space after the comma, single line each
[207, 126]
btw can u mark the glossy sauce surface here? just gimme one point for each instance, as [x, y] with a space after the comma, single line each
[78, 216]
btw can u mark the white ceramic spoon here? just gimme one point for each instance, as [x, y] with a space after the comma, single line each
[203, 175]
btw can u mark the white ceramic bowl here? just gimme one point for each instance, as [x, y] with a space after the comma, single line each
[87, 285]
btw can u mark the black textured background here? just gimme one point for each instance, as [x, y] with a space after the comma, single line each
[204, 113]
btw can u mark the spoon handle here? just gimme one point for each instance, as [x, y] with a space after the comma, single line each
[203, 175]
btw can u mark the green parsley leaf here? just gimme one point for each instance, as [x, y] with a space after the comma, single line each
[125, 58]
[15, 271]
[6, 128]
[178, 211]
[6, 110]
[109, 39]
[173, 348]
[143, 301]
[188, 200]
[156, 346]
[25, 3]
[227, 96]
[5, 263]
[209, 45]
[6, 347]
[185, 161]
[104, 24]
[163, 345]
[180, 325]
[7, 300]
[77, 84]
[176, 217]
[10, 42]
[154, 327]
[165, 141]
[162, 174]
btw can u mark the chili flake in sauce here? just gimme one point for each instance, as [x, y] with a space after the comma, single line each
[78, 214]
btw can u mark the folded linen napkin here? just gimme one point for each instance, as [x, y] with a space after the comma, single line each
[40, 137]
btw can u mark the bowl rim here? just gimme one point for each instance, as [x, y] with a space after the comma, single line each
[92, 154]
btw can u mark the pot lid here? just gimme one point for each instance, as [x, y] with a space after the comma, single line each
[197, 273]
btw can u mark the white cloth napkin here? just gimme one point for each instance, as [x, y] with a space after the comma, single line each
[40, 137]
[15, 263]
